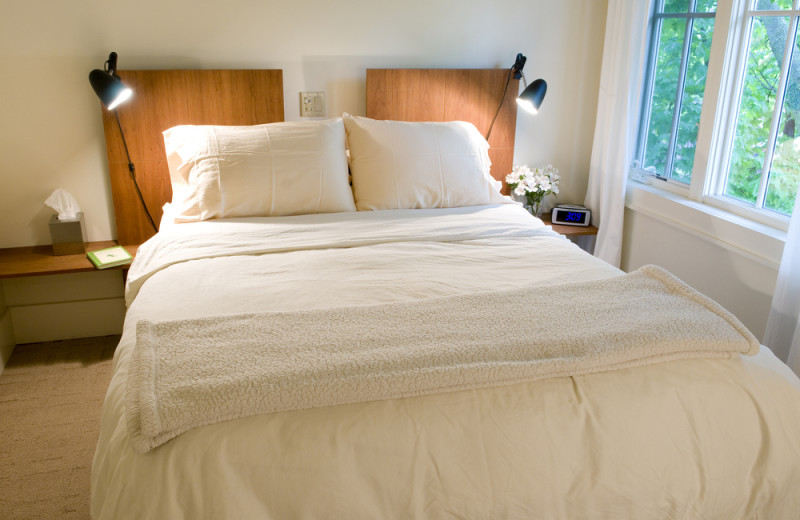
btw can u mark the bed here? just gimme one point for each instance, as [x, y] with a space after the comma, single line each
[368, 355]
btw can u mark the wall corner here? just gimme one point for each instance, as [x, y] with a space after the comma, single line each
[7, 341]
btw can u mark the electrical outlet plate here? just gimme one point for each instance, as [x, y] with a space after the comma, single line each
[312, 104]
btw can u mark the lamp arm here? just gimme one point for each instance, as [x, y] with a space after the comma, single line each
[502, 99]
[132, 169]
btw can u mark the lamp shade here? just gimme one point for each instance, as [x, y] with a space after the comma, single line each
[533, 95]
[109, 88]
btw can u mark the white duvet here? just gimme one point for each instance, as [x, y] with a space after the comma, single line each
[681, 439]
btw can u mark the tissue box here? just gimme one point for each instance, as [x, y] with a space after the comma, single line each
[68, 236]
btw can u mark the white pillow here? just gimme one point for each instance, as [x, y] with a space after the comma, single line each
[258, 171]
[405, 165]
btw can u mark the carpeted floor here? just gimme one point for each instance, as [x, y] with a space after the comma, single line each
[50, 400]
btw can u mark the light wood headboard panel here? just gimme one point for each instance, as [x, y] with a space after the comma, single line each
[450, 95]
[161, 100]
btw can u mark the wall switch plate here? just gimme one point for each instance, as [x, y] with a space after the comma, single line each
[312, 104]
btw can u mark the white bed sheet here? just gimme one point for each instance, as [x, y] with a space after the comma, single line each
[684, 439]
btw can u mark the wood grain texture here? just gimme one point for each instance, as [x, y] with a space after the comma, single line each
[39, 260]
[450, 95]
[166, 98]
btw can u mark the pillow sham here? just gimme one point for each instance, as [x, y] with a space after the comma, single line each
[409, 165]
[258, 171]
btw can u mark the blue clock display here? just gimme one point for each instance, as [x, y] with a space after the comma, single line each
[571, 215]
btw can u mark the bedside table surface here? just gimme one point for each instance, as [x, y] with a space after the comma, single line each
[570, 231]
[40, 260]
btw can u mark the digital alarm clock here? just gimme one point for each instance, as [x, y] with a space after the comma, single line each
[571, 215]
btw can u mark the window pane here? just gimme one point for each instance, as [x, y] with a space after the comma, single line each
[665, 89]
[785, 172]
[755, 111]
[692, 100]
[676, 6]
[706, 6]
[773, 5]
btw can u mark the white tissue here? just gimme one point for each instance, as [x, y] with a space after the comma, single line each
[64, 203]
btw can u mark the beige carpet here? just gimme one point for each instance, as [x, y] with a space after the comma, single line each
[50, 400]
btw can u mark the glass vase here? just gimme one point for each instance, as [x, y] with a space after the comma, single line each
[535, 207]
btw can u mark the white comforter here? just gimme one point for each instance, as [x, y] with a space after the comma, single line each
[682, 439]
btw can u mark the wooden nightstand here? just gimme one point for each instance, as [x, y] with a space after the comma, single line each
[39, 260]
[44, 297]
[569, 231]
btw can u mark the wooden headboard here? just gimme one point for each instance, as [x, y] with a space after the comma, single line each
[450, 95]
[166, 98]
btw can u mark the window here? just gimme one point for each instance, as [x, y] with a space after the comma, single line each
[678, 64]
[739, 150]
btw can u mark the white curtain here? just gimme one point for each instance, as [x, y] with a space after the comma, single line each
[618, 107]
[783, 326]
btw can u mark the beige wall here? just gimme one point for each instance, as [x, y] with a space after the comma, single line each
[6, 332]
[51, 131]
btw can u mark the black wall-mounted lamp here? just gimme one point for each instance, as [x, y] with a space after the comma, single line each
[107, 85]
[532, 96]
[112, 92]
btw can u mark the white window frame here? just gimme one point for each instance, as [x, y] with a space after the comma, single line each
[653, 37]
[726, 72]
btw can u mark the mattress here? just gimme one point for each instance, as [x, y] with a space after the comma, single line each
[695, 438]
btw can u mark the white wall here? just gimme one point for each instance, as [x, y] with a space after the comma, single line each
[740, 281]
[51, 130]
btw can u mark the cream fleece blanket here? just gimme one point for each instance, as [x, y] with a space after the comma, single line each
[190, 373]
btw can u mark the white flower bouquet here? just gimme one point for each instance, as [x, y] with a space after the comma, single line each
[533, 184]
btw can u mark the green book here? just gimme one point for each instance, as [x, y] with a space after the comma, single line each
[110, 257]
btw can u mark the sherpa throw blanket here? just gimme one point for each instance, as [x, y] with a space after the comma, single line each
[190, 373]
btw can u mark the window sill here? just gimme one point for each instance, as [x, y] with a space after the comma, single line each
[754, 240]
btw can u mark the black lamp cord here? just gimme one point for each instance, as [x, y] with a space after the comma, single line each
[502, 99]
[132, 169]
